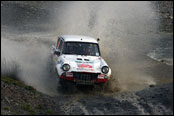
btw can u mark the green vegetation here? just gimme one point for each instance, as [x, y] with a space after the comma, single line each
[31, 106]
[27, 107]
[39, 106]
[17, 83]
[50, 112]
[6, 108]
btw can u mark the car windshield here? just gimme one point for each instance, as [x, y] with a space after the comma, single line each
[81, 48]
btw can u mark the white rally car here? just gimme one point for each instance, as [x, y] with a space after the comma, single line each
[78, 59]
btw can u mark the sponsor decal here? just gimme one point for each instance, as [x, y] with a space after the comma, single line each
[78, 61]
[69, 74]
[101, 76]
[85, 69]
[57, 58]
[90, 62]
[60, 62]
[84, 66]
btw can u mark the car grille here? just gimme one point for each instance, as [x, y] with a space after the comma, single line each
[85, 76]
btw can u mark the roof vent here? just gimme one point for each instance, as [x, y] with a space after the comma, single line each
[79, 59]
[86, 59]
[81, 38]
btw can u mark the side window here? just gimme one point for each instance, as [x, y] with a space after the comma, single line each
[58, 43]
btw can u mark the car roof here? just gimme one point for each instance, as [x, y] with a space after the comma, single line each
[78, 38]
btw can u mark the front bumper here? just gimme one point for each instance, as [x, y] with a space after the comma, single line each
[84, 77]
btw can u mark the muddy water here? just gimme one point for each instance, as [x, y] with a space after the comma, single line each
[129, 33]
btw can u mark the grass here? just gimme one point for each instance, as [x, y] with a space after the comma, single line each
[17, 83]
[27, 107]
[49, 112]
[6, 108]
[39, 106]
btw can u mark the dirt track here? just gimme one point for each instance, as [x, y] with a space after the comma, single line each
[157, 100]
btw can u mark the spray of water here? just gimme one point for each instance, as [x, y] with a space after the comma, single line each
[125, 29]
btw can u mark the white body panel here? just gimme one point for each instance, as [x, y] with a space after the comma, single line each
[77, 38]
[94, 64]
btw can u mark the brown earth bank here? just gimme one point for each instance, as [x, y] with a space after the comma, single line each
[17, 98]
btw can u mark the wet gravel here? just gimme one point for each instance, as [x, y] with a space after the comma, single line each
[155, 101]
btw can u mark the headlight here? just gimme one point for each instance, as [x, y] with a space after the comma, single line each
[65, 67]
[105, 69]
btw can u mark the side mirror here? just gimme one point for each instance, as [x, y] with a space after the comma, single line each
[57, 52]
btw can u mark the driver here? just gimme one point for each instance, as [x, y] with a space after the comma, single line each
[88, 50]
[71, 49]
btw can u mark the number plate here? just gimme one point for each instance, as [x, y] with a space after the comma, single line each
[84, 82]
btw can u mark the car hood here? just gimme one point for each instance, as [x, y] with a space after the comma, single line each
[79, 63]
